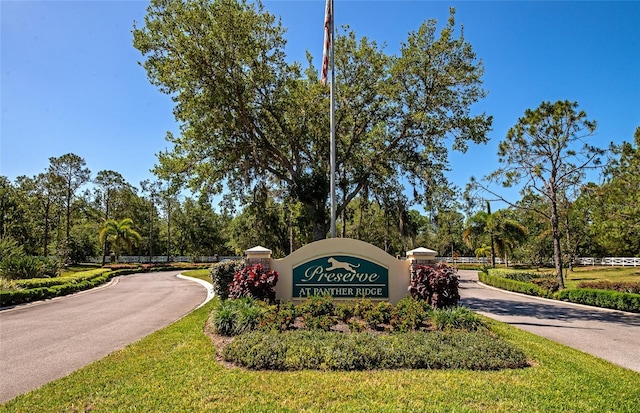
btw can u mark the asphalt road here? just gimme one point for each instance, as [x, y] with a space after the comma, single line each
[607, 334]
[44, 341]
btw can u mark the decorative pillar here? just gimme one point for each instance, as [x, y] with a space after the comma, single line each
[421, 256]
[258, 255]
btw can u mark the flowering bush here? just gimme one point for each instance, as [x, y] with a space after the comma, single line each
[254, 282]
[437, 285]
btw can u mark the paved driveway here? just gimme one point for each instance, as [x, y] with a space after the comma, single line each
[44, 341]
[610, 335]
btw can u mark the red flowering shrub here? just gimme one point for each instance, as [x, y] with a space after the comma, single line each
[254, 282]
[437, 285]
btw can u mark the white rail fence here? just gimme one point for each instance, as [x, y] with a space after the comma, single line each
[134, 259]
[610, 261]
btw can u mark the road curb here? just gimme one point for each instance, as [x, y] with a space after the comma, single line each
[207, 285]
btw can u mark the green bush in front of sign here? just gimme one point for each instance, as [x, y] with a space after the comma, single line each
[222, 274]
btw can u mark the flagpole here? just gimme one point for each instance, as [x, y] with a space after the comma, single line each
[333, 132]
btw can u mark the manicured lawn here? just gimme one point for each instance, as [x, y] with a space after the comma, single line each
[175, 370]
[72, 269]
[588, 273]
[619, 274]
[201, 274]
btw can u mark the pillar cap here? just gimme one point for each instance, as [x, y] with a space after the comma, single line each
[258, 252]
[421, 253]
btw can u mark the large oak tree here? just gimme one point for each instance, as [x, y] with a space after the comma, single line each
[250, 118]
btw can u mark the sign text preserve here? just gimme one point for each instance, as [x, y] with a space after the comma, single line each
[341, 277]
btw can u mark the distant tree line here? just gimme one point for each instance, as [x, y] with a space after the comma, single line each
[63, 215]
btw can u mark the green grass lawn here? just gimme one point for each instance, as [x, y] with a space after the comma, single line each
[175, 370]
[588, 273]
[615, 274]
[72, 269]
[201, 274]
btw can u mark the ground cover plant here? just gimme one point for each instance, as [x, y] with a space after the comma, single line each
[175, 369]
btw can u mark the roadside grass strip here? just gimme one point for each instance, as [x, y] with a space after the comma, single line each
[176, 370]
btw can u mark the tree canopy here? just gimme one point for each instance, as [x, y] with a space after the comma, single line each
[250, 118]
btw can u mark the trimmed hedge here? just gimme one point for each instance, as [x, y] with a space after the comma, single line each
[15, 297]
[320, 350]
[603, 298]
[50, 282]
[35, 289]
[620, 286]
[513, 285]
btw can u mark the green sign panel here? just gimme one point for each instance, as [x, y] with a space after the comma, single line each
[341, 277]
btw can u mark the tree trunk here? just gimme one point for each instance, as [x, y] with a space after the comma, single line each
[343, 231]
[570, 253]
[46, 228]
[493, 248]
[291, 233]
[168, 231]
[319, 230]
[555, 232]
[151, 232]
[104, 244]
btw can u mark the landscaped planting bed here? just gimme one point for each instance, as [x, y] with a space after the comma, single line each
[362, 335]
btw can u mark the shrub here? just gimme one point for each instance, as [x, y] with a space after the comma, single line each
[409, 314]
[10, 248]
[298, 350]
[222, 274]
[622, 287]
[514, 275]
[459, 318]
[254, 282]
[6, 284]
[70, 279]
[115, 267]
[512, 285]
[18, 267]
[344, 310]
[550, 285]
[233, 317]
[373, 314]
[437, 285]
[603, 298]
[322, 322]
[317, 305]
[40, 289]
[279, 317]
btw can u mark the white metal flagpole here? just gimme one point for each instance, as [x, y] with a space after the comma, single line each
[333, 132]
[328, 64]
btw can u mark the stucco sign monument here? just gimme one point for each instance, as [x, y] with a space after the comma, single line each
[343, 268]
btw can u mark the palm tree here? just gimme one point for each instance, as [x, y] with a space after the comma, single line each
[503, 232]
[120, 234]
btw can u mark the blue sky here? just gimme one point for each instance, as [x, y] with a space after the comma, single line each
[70, 81]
